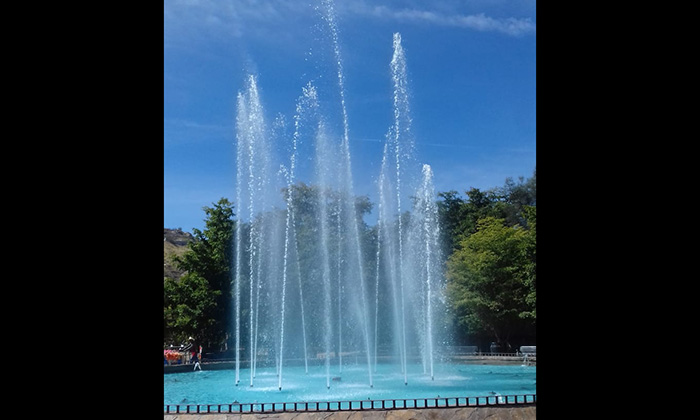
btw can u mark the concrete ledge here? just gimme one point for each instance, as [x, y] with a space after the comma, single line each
[471, 413]
[204, 366]
[244, 364]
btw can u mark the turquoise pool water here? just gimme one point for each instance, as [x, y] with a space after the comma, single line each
[451, 380]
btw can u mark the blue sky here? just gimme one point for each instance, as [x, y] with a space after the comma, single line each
[471, 67]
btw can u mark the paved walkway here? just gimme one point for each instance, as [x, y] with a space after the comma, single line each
[470, 413]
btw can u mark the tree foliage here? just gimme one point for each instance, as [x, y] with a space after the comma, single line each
[309, 203]
[490, 239]
[189, 307]
[199, 304]
[487, 282]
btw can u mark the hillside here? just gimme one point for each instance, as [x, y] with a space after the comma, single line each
[174, 243]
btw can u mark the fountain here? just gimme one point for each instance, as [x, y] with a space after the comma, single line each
[320, 298]
[320, 285]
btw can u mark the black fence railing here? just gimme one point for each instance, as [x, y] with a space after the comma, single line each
[282, 407]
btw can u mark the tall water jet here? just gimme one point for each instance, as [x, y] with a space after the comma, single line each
[264, 273]
[250, 136]
[323, 175]
[401, 141]
[387, 246]
[428, 238]
[382, 221]
[301, 298]
[307, 104]
[338, 264]
[377, 276]
[284, 278]
[308, 101]
[350, 207]
[238, 236]
[259, 227]
[316, 234]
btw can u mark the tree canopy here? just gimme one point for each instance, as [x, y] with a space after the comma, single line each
[488, 283]
[489, 245]
[491, 266]
[199, 304]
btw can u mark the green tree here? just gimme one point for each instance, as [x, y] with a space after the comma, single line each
[529, 272]
[480, 204]
[516, 196]
[201, 303]
[307, 203]
[459, 217]
[188, 307]
[451, 210]
[486, 280]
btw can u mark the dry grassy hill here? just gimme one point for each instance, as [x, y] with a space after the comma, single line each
[174, 243]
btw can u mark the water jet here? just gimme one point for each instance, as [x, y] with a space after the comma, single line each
[316, 282]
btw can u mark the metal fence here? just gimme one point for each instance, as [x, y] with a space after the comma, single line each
[296, 407]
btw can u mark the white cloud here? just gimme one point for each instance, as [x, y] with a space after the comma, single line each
[479, 22]
[178, 131]
[202, 19]
[226, 18]
[196, 125]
